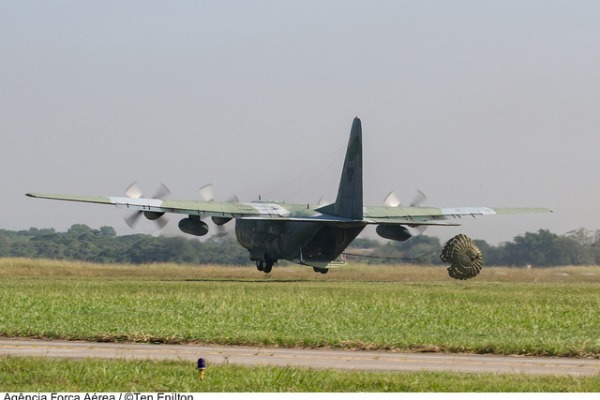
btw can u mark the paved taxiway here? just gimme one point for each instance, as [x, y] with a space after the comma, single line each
[335, 359]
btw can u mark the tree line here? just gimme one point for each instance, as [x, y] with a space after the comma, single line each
[80, 242]
[541, 249]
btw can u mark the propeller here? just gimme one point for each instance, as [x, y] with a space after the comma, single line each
[392, 200]
[419, 199]
[221, 232]
[323, 202]
[207, 193]
[134, 192]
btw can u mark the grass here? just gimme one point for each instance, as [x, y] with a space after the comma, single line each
[403, 273]
[504, 311]
[50, 375]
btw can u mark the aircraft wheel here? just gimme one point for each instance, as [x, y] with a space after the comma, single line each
[260, 266]
[321, 270]
[268, 268]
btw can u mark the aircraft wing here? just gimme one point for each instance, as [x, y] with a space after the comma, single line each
[250, 211]
[410, 216]
[416, 216]
[189, 207]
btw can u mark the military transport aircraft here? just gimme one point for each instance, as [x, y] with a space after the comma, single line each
[311, 235]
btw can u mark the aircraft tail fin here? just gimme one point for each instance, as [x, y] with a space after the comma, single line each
[349, 201]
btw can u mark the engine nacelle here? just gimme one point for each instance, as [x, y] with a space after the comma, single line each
[220, 220]
[152, 215]
[193, 226]
[398, 233]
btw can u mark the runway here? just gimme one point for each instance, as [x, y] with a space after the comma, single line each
[312, 358]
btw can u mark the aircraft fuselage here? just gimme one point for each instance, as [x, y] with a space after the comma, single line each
[309, 243]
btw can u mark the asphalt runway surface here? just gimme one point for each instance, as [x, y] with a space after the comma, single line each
[312, 358]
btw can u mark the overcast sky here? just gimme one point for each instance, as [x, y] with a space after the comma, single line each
[476, 103]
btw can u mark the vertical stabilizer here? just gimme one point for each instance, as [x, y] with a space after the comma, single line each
[349, 201]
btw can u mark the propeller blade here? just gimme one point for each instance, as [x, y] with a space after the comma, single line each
[221, 231]
[133, 191]
[419, 198]
[323, 202]
[161, 222]
[133, 219]
[207, 193]
[392, 200]
[161, 192]
[420, 229]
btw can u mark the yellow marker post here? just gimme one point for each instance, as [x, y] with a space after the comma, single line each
[201, 367]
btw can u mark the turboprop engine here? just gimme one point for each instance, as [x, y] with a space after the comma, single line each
[398, 233]
[193, 226]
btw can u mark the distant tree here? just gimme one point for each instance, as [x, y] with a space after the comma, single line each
[22, 248]
[80, 230]
[4, 246]
[420, 249]
[107, 231]
[147, 249]
[363, 243]
[595, 252]
[35, 232]
[180, 250]
[542, 248]
[222, 251]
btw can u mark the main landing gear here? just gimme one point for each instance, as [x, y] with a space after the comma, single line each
[265, 266]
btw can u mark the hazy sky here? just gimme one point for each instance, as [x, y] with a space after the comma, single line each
[476, 103]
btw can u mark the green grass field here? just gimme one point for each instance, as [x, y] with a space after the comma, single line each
[542, 316]
[48, 375]
[504, 311]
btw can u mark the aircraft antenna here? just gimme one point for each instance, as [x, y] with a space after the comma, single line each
[323, 165]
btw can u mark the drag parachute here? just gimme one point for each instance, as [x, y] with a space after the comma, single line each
[464, 257]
